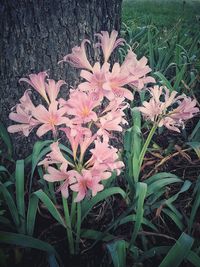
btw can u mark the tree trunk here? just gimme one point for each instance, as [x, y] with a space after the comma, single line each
[36, 34]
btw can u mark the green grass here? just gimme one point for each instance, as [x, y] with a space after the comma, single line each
[168, 34]
[162, 13]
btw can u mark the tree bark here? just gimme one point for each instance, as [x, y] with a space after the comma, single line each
[36, 34]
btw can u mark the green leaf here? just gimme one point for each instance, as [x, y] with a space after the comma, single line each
[6, 138]
[157, 185]
[4, 169]
[196, 146]
[195, 206]
[19, 178]
[117, 251]
[194, 258]
[50, 206]
[195, 133]
[39, 150]
[141, 190]
[183, 189]
[164, 81]
[86, 205]
[136, 143]
[178, 252]
[94, 235]
[25, 241]
[174, 218]
[159, 176]
[31, 214]
[132, 218]
[11, 204]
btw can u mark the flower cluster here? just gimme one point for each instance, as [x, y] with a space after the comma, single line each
[167, 109]
[86, 118]
[91, 113]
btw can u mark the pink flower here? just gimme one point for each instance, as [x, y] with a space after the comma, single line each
[160, 108]
[108, 43]
[95, 80]
[171, 124]
[151, 110]
[78, 57]
[50, 118]
[137, 69]
[55, 157]
[106, 83]
[115, 82]
[76, 136]
[23, 115]
[37, 81]
[186, 109]
[112, 118]
[104, 157]
[155, 107]
[53, 88]
[81, 106]
[86, 181]
[61, 175]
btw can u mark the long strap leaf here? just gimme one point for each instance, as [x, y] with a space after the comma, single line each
[11, 204]
[178, 252]
[141, 190]
[50, 206]
[19, 180]
[31, 214]
[25, 241]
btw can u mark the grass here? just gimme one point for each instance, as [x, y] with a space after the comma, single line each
[167, 33]
[162, 13]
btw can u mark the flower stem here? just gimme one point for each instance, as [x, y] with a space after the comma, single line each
[73, 209]
[68, 225]
[78, 229]
[146, 144]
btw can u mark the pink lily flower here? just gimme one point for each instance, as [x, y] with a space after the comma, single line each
[137, 69]
[95, 80]
[81, 106]
[186, 109]
[76, 136]
[162, 111]
[55, 157]
[109, 43]
[50, 118]
[114, 85]
[78, 57]
[61, 175]
[24, 116]
[105, 156]
[53, 88]
[85, 181]
[37, 81]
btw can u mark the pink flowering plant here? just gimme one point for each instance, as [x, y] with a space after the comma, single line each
[87, 121]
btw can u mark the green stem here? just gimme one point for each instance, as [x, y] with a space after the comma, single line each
[68, 225]
[146, 144]
[78, 229]
[52, 192]
[73, 209]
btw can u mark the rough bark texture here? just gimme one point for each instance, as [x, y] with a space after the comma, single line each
[36, 34]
